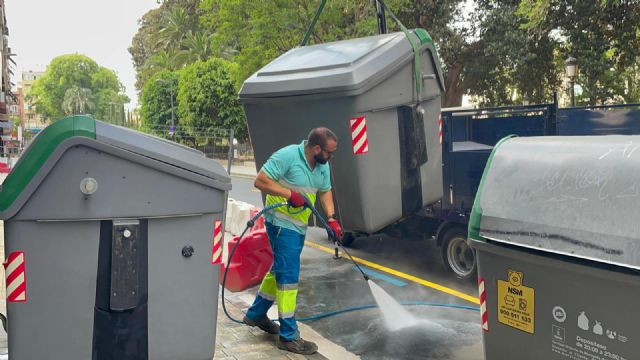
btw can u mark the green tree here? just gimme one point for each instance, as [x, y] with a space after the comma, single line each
[603, 35]
[70, 72]
[197, 47]
[155, 103]
[160, 43]
[207, 98]
[499, 51]
[77, 101]
[253, 33]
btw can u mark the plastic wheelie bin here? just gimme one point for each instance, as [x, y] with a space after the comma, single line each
[555, 226]
[112, 242]
[384, 112]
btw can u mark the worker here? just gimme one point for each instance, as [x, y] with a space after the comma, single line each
[295, 174]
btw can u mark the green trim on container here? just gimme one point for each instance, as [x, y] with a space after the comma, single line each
[424, 36]
[476, 210]
[44, 144]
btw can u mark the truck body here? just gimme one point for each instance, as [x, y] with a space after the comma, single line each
[468, 139]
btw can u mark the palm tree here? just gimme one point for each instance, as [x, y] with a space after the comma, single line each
[166, 60]
[197, 46]
[176, 22]
[77, 100]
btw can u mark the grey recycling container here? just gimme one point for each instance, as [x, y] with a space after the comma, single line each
[109, 243]
[556, 231]
[389, 159]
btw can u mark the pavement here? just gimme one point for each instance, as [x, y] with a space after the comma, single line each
[237, 341]
[246, 169]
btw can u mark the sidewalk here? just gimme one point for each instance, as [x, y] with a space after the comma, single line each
[240, 342]
[247, 170]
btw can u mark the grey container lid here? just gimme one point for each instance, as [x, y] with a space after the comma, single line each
[50, 144]
[352, 66]
[576, 196]
[162, 150]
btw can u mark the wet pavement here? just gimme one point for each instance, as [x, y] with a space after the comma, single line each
[328, 285]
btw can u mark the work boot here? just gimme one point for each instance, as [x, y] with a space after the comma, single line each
[298, 346]
[263, 323]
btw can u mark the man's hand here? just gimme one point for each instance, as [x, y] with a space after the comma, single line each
[336, 228]
[296, 200]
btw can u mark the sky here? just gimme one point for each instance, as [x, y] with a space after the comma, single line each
[40, 30]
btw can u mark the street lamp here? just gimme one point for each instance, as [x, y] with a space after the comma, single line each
[571, 68]
[172, 128]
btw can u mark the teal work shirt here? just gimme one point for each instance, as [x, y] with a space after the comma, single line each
[289, 167]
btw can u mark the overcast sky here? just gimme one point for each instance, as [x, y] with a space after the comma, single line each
[40, 30]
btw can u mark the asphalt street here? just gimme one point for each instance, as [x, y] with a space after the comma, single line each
[410, 270]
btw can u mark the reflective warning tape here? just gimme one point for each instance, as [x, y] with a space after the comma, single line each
[483, 305]
[216, 254]
[440, 128]
[15, 276]
[359, 140]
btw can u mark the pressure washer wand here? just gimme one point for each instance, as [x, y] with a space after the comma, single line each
[335, 238]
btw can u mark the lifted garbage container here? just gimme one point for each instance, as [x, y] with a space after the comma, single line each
[111, 240]
[389, 159]
[555, 226]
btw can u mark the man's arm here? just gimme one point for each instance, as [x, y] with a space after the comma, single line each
[265, 184]
[326, 199]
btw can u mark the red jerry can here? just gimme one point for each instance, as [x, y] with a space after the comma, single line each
[259, 224]
[250, 263]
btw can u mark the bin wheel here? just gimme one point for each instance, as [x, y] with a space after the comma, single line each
[457, 255]
[348, 238]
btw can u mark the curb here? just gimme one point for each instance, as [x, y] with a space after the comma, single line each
[242, 175]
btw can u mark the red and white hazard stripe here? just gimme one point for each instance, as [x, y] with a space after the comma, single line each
[483, 305]
[216, 254]
[440, 128]
[16, 281]
[359, 140]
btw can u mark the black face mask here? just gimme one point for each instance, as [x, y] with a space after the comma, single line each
[319, 159]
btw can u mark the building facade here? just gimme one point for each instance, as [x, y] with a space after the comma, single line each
[31, 122]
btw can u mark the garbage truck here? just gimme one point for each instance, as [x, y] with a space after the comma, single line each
[404, 166]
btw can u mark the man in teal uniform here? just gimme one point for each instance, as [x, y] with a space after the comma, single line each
[291, 174]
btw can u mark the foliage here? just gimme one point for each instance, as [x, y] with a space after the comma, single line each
[500, 52]
[603, 36]
[155, 103]
[207, 99]
[253, 33]
[165, 38]
[88, 82]
[77, 101]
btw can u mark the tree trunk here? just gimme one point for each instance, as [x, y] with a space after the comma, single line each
[453, 95]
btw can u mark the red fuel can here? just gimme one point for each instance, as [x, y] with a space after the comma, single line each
[250, 263]
[259, 223]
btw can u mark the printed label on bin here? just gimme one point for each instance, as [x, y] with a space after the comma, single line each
[516, 302]
[591, 335]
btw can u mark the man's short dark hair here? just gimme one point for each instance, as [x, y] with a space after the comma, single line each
[320, 136]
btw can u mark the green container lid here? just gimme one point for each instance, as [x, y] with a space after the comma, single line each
[43, 145]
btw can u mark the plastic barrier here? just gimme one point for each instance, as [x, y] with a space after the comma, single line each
[251, 261]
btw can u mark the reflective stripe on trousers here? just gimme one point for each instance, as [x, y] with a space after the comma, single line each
[281, 283]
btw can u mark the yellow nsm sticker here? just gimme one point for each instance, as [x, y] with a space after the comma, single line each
[516, 302]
